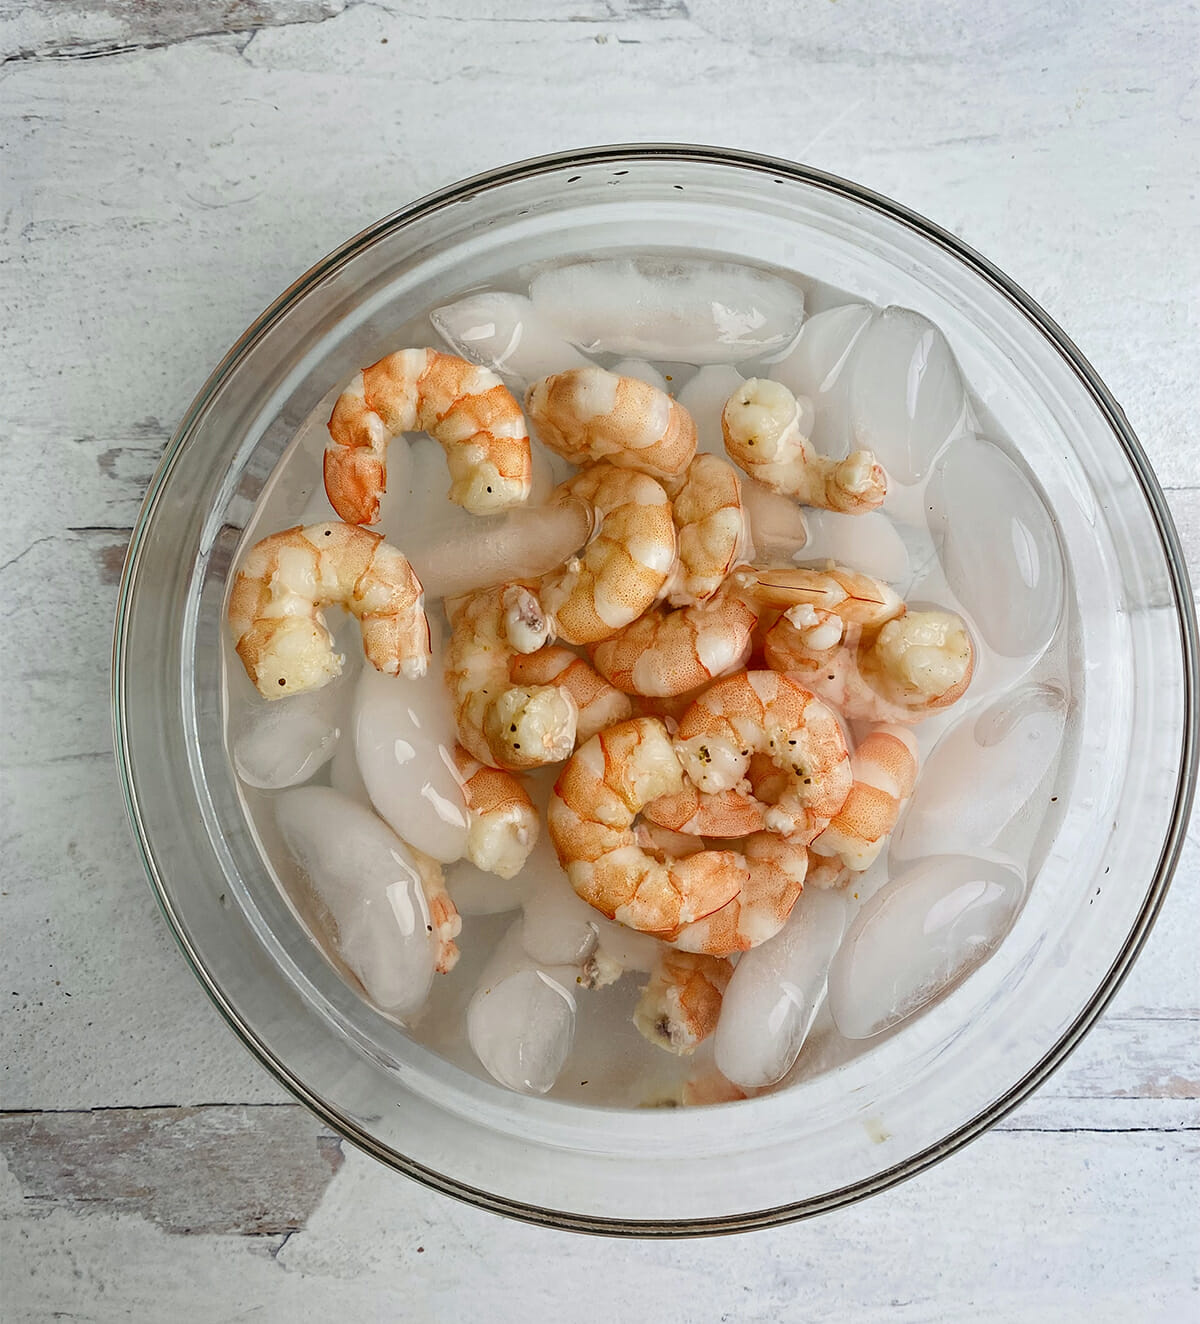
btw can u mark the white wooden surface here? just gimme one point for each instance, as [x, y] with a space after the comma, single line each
[168, 168]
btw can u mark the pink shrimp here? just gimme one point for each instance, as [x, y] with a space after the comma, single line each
[598, 704]
[766, 433]
[680, 1005]
[777, 870]
[665, 653]
[590, 414]
[885, 772]
[465, 407]
[275, 607]
[764, 712]
[503, 824]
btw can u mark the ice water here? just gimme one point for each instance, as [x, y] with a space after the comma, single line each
[964, 527]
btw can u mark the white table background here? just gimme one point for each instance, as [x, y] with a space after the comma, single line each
[167, 168]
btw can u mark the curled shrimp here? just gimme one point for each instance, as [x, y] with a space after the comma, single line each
[591, 414]
[591, 814]
[768, 713]
[665, 653]
[680, 1005]
[766, 434]
[598, 704]
[901, 671]
[499, 723]
[777, 870]
[467, 408]
[885, 772]
[712, 526]
[503, 825]
[623, 568]
[275, 607]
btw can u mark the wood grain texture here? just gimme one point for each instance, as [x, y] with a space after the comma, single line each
[255, 1172]
[166, 168]
[963, 1240]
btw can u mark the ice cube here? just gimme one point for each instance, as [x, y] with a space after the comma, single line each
[906, 397]
[776, 991]
[817, 366]
[625, 948]
[868, 542]
[643, 371]
[558, 927]
[524, 543]
[506, 333]
[998, 546]
[926, 930]
[988, 778]
[404, 736]
[414, 511]
[367, 879]
[704, 397]
[521, 1019]
[692, 310]
[284, 742]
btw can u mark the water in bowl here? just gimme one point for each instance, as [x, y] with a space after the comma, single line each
[534, 999]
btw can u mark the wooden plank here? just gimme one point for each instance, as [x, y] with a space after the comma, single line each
[92, 29]
[958, 1242]
[255, 1172]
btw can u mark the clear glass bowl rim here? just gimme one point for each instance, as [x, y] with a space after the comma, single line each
[1150, 489]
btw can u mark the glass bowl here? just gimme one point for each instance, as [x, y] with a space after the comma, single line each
[918, 1094]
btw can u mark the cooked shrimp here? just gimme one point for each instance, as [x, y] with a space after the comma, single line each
[680, 1005]
[851, 596]
[777, 870]
[765, 712]
[592, 809]
[503, 824]
[913, 665]
[766, 433]
[499, 723]
[713, 529]
[885, 772]
[670, 652]
[621, 571]
[465, 407]
[825, 871]
[598, 704]
[444, 920]
[275, 607]
[590, 414]
[734, 813]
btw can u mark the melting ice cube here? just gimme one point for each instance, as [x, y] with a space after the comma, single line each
[988, 780]
[818, 366]
[521, 1020]
[704, 397]
[998, 546]
[906, 393]
[691, 310]
[368, 881]
[284, 742]
[506, 333]
[404, 737]
[776, 991]
[927, 929]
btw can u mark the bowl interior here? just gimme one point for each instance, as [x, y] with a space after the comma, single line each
[920, 1090]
